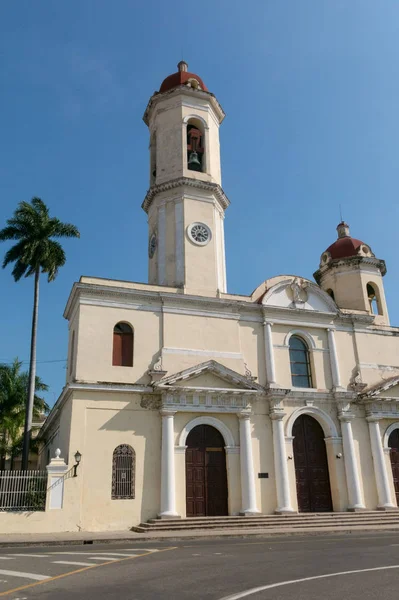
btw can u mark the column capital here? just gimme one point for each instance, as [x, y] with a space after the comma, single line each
[244, 416]
[346, 417]
[373, 418]
[167, 412]
[277, 415]
[267, 322]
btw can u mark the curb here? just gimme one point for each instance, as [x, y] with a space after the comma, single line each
[191, 537]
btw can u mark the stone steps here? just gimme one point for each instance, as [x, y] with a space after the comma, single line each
[309, 521]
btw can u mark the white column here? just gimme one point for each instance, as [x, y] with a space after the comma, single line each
[336, 379]
[179, 241]
[269, 353]
[56, 470]
[168, 494]
[352, 474]
[248, 493]
[280, 465]
[380, 469]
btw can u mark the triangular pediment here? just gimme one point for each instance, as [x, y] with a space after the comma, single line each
[209, 375]
[388, 388]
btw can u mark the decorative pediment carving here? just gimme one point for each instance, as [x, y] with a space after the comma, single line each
[210, 376]
[297, 292]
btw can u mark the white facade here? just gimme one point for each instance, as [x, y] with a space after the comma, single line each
[293, 375]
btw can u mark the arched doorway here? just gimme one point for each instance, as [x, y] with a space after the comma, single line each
[311, 467]
[393, 444]
[206, 475]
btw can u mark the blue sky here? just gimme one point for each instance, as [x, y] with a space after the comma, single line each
[311, 93]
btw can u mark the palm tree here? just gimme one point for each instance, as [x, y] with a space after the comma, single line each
[13, 391]
[35, 252]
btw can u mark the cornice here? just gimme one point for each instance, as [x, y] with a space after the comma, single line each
[157, 97]
[351, 263]
[173, 301]
[207, 186]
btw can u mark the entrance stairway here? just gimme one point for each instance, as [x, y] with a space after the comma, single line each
[338, 521]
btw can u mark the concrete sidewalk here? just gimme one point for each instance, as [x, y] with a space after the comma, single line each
[108, 537]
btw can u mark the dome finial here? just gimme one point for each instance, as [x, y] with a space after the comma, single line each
[343, 230]
[182, 66]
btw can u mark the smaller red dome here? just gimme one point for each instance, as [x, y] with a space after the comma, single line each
[344, 247]
[180, 78]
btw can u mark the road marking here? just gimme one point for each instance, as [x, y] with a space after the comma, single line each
[70, 562]
[31, 555]
[25, 575]
[263, 588]
[90, 552]
[102, 558]
[76, 571]
[5, 558]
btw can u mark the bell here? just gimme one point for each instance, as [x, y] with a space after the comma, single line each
[193, 162]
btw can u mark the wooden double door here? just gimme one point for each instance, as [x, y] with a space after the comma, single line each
[206, 475]
[393, 443]
[311, 467]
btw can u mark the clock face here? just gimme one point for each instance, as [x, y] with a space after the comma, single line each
[199, 233]
[152, 245]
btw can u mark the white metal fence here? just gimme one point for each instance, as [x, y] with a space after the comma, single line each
[23, 490]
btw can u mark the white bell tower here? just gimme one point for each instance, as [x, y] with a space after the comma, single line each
[185, 203]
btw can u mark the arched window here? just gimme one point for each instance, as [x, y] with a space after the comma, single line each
[123, 472]
[122, 354]
[331, 293]
[373, 300]
[299, 361]
[195, 146]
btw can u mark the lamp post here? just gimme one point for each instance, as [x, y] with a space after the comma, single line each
[78, 458]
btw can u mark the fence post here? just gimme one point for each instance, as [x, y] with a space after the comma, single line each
[56, 470]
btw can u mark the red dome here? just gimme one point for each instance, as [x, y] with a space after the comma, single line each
[344, 247]
[180, 78]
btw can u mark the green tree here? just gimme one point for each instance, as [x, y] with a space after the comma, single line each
[35, 252]
[13, 390]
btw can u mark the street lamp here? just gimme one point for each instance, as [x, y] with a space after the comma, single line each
[78, 458]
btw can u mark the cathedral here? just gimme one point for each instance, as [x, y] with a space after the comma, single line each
[185, 400]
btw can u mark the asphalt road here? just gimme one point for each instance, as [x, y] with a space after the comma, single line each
[350, 567]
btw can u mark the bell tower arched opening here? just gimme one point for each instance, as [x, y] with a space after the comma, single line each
[195, 146]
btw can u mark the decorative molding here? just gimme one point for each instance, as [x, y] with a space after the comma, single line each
[323, 418]
[387, 433]
[189, 400]
[303, 334]
[206, 186]
[211, 366]
[180, 449]
[205, 420]
[191, 352]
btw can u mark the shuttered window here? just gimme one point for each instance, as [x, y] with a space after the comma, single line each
[123, 472]
[122, 354]
[299, 361]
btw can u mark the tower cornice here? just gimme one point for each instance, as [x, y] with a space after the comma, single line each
[207, 186]
[352, 262]
[187, 91]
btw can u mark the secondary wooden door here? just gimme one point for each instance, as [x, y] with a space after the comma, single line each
[393, 443]
[311, 467]
[206, 476]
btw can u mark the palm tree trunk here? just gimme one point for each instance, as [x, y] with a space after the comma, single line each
[32, 376]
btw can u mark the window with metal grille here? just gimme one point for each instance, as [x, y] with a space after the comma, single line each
[299, 361]
[122, 354]
[123, 472]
